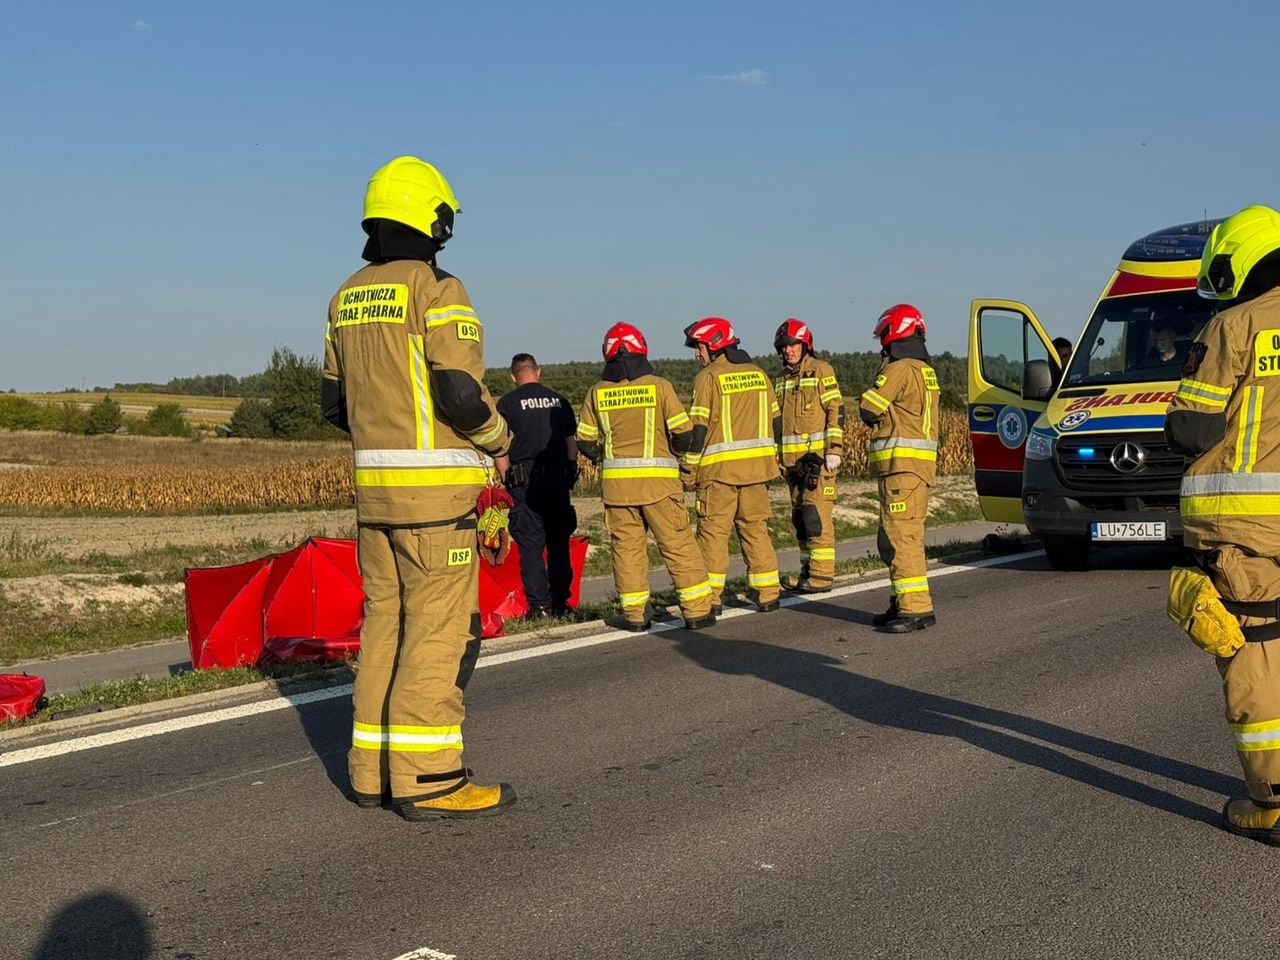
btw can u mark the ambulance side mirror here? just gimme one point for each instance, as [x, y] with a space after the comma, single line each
[1037, 380]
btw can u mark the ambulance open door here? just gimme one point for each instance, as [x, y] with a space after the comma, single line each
[1007, 392]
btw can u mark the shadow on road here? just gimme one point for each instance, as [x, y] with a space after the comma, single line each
[884, 704]
[103, 925]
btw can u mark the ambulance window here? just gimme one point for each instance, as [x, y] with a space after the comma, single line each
[1033, 347]
[1002, 337]
[1140, 338]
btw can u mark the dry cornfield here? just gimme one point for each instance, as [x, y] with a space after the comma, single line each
[955, 451]
[166, 489]
[315, 482]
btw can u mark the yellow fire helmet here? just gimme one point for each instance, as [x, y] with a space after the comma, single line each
[412, 192]
[1234, 248]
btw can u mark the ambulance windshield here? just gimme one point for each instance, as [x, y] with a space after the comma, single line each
[1139, 339]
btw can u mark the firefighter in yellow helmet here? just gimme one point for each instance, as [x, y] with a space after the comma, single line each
[732, 457]
[810, 452]
[902, 412]
[403, 373]
[634, 426]
[1226, 415]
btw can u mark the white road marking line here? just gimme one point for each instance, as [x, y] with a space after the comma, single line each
[160, 727]
[93, 741]
[426, 953]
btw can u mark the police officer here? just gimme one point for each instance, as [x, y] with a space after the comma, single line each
[633, 425]
[902, 412]
[544, 468]
[810, 452]
[403, 373]
[1226, 414]
[731, 458]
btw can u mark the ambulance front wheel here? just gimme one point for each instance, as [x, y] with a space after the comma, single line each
[1068, 553]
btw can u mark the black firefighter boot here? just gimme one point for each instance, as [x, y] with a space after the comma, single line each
[908, 622]
[880, 619]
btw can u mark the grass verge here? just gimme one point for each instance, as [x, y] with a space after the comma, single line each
[31, 631]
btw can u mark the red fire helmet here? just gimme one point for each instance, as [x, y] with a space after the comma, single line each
[792, 330]
[716, 332]
[900, 321]
[623, 337]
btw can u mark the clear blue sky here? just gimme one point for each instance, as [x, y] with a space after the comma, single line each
[182, 182]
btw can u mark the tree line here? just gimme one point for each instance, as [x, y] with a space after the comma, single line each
[283, 401]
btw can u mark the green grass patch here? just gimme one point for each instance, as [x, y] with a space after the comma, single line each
[31, 631]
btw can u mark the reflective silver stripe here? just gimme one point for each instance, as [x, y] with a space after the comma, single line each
[805, 438]
[422, 394]
[435, 739]
[1247, 441]
[904, 442]
[1197, 395]
[624, 463]
[1211, 483]
[758, 443]
[437, 317]
[1261, 736]
[418, 458]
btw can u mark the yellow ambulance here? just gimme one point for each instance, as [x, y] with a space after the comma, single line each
[1071, 441]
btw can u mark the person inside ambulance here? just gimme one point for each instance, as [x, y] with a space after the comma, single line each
[1166, 347]
[1226, 417]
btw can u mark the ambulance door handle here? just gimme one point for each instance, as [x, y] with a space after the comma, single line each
[982, 413]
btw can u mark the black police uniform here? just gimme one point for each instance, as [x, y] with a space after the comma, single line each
[539, 482]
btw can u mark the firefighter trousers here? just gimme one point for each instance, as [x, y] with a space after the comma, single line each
[724, 508]
[668, 521]
[418, 648]
[815, 531]
[904, 505]
[1251, 678]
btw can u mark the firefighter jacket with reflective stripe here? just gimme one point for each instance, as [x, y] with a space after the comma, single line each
[734, 405]
[1226, 414]
[633, 422]
[902, 411]
[812, 410]
[404, 353]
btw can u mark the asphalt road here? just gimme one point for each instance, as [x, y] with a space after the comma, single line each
[1039, 776]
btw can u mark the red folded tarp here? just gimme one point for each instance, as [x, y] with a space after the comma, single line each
[224, 613]
[314, 603]
[20, 694]
[308, 605]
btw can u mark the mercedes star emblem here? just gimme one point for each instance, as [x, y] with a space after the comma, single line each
[1128, 457]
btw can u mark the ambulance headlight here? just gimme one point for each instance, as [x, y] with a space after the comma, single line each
[1039, 446]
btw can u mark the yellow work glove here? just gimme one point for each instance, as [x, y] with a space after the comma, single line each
[1196, 606]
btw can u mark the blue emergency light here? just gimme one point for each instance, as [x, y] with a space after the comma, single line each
[1086, 453]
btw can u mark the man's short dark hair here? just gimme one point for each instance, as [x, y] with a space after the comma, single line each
[1061, 343]
[522, 362]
